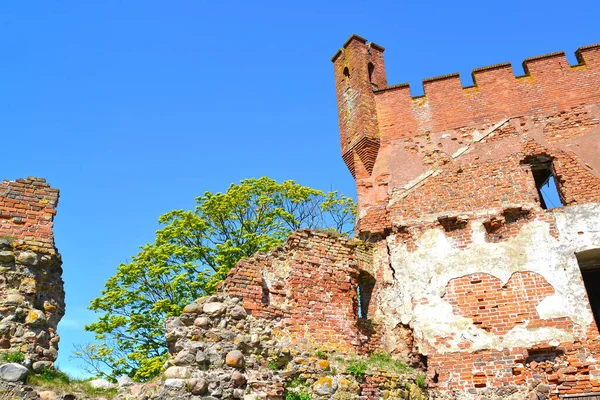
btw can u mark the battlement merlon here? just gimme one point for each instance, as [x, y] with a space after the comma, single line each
[370, 111]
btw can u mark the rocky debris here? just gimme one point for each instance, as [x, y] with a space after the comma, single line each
[175, 383]
[16, 390]
[13, 372]
[39, 366]
[235, 359]
[125, 381]
[325, 386]
[101, 384]
[21, 391]
[535, 391]
[225, 354]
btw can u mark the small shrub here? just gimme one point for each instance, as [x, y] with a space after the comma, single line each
[272, 365]
[420, 381]
[321, 355]
[298, 396]
[15, 357]
[357, 369]
[295, 383]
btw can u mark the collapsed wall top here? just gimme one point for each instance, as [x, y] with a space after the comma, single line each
[27, 209]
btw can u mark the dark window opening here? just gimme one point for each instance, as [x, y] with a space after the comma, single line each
[545, 183]
[266, 294]
[371, 68]
[436, 377]
[589, 264]
[364, 290]
[346, 72]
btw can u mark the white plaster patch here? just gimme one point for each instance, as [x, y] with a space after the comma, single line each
[425, 272]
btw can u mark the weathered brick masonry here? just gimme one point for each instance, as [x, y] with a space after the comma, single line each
[467, 254]
[310, 286]
[31, 287]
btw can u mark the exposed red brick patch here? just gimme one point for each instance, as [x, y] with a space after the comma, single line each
[498, 308]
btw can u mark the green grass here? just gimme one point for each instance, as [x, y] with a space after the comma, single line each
[321, 355]
[357, 369]
[381, 360]
[56, 380]
[295, 383]
[298, 396]
[15, 357]
[52, 375]
[421, 381]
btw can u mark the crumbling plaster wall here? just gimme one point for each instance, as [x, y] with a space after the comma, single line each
[415, 296]
[534, 267]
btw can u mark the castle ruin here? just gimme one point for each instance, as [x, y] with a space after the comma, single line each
[466, 264]
[477, 255]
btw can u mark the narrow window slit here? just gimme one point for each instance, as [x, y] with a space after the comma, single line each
[364, 290]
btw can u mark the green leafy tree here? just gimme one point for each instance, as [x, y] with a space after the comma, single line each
[191, 255]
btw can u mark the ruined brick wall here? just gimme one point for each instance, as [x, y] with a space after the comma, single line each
[31, 287]
[27, 209]
[309, 285]
[467, 257]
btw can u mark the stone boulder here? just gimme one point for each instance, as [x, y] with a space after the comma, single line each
[13, 372]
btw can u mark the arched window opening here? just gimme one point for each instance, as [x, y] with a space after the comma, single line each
[371, 68]
[346, 72]
[364, 290]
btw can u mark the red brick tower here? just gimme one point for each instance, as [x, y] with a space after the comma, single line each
[359, 69]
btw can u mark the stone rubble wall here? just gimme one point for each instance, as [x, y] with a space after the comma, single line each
[31, 287]
[218, 350]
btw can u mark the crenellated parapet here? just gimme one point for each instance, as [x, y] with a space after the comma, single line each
[549, 82]
[401, 148]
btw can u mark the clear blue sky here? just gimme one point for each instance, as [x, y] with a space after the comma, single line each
[133, 108]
